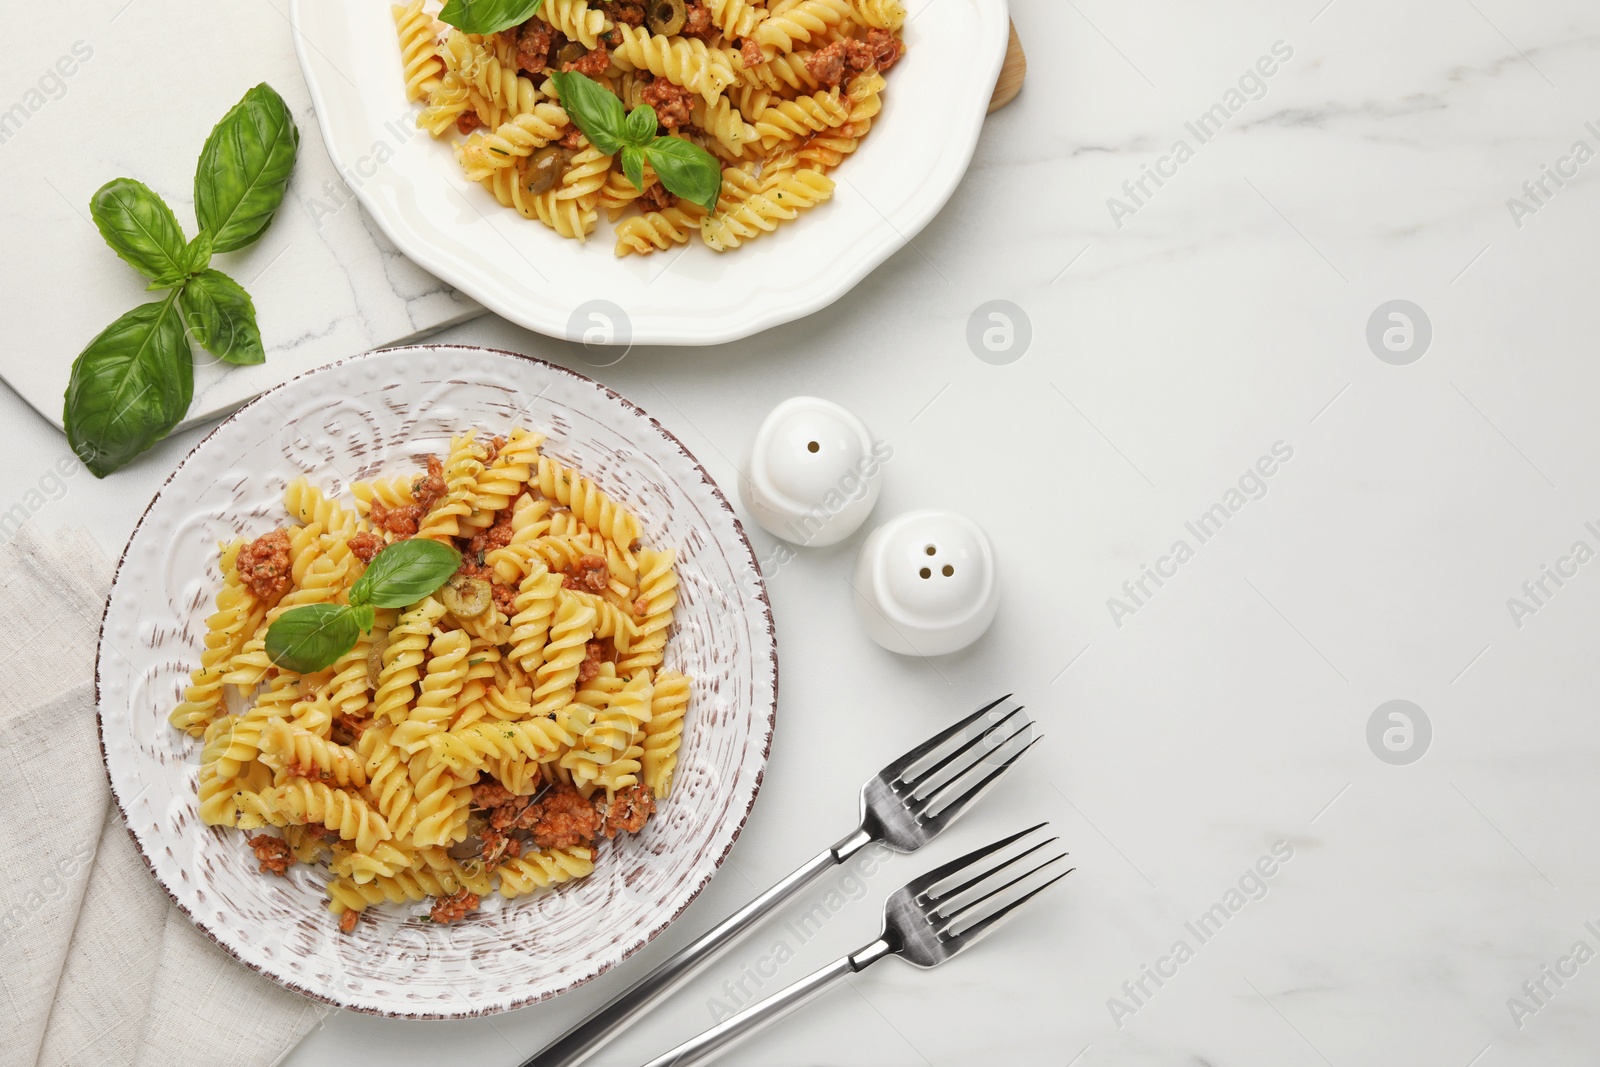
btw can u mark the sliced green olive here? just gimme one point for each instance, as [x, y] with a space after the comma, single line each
[570, 52]
[380, 641]
[667, 17]
[467, 598]
[543, 169]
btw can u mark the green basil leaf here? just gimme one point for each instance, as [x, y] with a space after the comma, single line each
[365, 617]
[244, 169]
[140, 228]
[594, 109]
[310, 637]
[640, 128]
[687, 170]
[130, 386]
[404, 573]
[488, 16]
[633, 165]
[222, 319]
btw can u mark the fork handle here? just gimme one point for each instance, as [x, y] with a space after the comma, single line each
[589, 1036]
[722, 1037]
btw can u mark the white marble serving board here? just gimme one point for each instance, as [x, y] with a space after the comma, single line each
[143, 92]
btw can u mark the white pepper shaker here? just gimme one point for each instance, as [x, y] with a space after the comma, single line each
[925, 583]
[814, 472]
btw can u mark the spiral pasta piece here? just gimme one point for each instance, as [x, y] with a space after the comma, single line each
[298, 753]
[656, 231]
[384, 861]
[345, 894]
[588, 501]
[388, 779]
[451, 99]
[443, 804]
[881, 14]
[801, 117]
[505, 478]
[620, 718]
[735, 18]
[610, 620]
[586, 175]
[281, 699]
[557, 676]
[515, 139]
[348, 815]
[763, 212]
[462, 468]
[542, 868]
[724, 122]
[402, 658]
[686, 62]
[238, 616]
[436, 698]
[782, 73]
[419, 49]
[395, 492]
[308, 504]
[349, 691]
[801, 24]
[663, 734]
[576, 19]
[469, 748]
[535, 605]
[829, 149]
[499, 89]
[658, 589]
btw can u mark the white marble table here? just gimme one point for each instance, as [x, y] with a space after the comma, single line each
[1209, 719]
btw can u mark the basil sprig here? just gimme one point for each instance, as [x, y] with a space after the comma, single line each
[134, 382]
[312, 636]
[488, 16]
[686, 169]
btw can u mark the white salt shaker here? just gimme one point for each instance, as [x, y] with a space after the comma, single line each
[814, 473]
[925, 583]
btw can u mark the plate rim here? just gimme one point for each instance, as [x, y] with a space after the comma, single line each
[770, 726]
[680, 333]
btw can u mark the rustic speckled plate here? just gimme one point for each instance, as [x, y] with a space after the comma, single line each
[380, 413]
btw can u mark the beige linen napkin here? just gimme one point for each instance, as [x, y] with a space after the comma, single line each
[96, 965]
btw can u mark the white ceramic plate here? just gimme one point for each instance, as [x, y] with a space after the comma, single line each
[379, 413]
[905, 171]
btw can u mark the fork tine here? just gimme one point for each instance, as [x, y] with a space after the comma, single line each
[958, 805]
[990, 873]
[976, 739]
[939, 874]
[990, 894]
[893, 770]
[972, 933]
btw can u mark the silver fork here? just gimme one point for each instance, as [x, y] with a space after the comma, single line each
[925, 923]
[904, 807]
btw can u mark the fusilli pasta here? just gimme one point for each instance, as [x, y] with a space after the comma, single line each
[537, 716]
